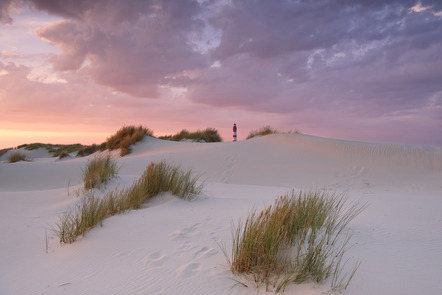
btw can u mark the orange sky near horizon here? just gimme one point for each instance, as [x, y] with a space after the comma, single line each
[14, 138]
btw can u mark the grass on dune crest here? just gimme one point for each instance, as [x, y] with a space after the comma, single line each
[266, 130]
[157, 178]
[125, 137]
[298, 239]
[99, 171]
[206, 135]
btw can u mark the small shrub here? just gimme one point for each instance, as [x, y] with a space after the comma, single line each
[266, 130]
[16, 157]
[158, 178]
[295, 240]
[99, 171]
[125, 137]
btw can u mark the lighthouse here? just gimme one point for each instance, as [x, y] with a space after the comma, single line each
[234, 132]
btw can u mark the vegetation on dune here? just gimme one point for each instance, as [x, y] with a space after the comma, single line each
[62, 150]
[90, 149]
[157, 178]
[297, 239]
[266, 130]
[4, 151]
[125, 137]
[99, 171]
[206, 135]
[16, 157]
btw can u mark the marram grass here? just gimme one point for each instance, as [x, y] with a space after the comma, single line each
[127, 136]
[157, 178]
[16, 157]
[99, 171]
[295, 240]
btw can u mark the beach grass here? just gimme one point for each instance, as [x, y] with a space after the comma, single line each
[206, 135]
[267, 130]
[16, 157]
[125, 137]
[297, 239]
[99, 171]
[157, 178]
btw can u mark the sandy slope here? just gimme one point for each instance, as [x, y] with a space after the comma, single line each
[171, 246]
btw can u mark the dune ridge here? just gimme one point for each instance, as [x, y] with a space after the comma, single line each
[171, 246]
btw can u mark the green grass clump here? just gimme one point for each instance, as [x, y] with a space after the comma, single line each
[56, 150]
[157, 178]
[266, 130]
[206, 135]
[16, 157]
[99, 171]
[295, 240]
[34, 146]
[125, 137]
[64, 150]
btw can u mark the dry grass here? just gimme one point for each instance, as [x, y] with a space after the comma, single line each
[266, 130]
[125, 137]
[16, 157]
[99, 171]
[297, 239]
[157, 178]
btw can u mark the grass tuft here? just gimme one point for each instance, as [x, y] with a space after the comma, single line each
[16, 157]
[295, 240]
[266, 130]
[125, 137]
[206, 135]
[99, 171]
[157, 178]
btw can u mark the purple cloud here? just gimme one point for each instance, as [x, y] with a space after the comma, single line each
[343, 60]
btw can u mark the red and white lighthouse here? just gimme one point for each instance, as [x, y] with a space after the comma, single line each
[234, 132]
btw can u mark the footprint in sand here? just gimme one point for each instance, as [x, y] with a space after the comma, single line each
[155, 259]
[189, 270]
[186, 232]
[205, 252]
[184, 248]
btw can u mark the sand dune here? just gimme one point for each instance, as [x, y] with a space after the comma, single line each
[171, 246]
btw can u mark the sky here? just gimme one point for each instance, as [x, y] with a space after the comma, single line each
[77, 71]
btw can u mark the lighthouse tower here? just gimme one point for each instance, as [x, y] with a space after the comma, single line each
[234, 132]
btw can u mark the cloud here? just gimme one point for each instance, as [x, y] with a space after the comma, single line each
[130, 48]
[5, 17]
[338, 61]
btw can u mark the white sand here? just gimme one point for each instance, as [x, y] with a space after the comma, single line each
[171, 247]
